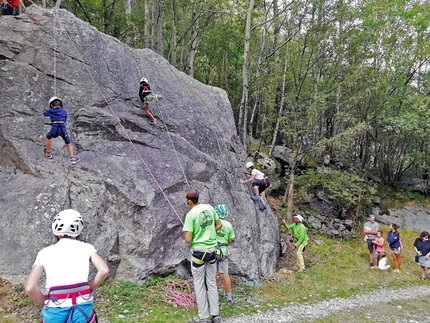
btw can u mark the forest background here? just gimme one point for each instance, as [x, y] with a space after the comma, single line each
[345, 78]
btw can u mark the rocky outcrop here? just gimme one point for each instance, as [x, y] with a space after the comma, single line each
[129, 184]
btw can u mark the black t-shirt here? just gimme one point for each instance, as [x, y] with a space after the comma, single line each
[423, 246]
[144, 90]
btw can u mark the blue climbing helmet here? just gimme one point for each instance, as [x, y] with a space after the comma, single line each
[222, 211]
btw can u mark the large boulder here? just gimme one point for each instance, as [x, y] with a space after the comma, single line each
[130, 181]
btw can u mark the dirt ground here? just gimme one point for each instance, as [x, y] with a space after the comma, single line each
[13, 306]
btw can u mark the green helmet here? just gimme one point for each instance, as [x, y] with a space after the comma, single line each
[222, 211]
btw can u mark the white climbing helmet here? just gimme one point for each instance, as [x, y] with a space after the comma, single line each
[249, 164]
[144, 80]
[68, 223]
[299, 217]
[55, 98]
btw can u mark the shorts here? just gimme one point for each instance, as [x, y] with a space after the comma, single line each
[59, 130]
[222, 265]
[423, 262]
[262, 184]
[375, 255]
[395, 251]
[150, 97]
[370, 245]
[60, 314]
[9, 11]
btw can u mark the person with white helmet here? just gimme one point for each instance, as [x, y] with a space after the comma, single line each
[147, 96]
[301, 235]
[58, 117]
[224, 237]
[66, 265]
[259, 182]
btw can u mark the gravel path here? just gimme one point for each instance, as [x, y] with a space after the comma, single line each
[408, 305]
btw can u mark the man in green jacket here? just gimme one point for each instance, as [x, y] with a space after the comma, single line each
[300, 232]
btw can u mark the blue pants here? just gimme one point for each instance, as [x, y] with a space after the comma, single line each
[60, 314]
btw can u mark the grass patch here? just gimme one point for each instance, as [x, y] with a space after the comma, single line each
[334, 269]
[396, 198]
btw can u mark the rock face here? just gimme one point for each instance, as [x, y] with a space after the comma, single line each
[130, 181]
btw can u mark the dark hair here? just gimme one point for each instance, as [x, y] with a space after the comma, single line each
[395, 226]
[192, 194]
[424, 234]
[379, 231]
[382, 255]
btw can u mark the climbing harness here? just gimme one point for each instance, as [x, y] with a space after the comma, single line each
[219, 254]
[164, 123]
[6, 4]
[59, 294]
[199, 258]
[121, 125]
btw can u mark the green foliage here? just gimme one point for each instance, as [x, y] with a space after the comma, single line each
[346, 189]
[394, 197]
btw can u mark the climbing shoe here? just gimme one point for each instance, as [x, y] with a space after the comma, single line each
[74, 160]
[217, 319]
[154, 121]
[48, 154]
[255, 198]
[196, 319]
[263, 207]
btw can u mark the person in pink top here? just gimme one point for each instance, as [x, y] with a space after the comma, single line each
[379, 243]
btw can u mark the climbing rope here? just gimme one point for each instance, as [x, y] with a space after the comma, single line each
[178, 293]
[120, 124]
[165, 127]
[55, 54]
[249, 282]
[219, 126]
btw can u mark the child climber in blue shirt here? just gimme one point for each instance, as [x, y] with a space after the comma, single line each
[58, 117]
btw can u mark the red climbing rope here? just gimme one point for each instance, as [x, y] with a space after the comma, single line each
[178, 293]
[121, 126]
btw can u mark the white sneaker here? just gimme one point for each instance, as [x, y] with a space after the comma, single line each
[74, 160]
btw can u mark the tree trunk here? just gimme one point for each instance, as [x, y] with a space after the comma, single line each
[243, 115]
[160, 45]
[194, 39]
[127, 7]
[147, 26]
[258, 95]
[172, 54]
[275, 132]
[289, 192]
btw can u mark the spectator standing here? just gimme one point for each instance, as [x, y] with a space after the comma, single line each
[224, 237]
[393, 240]
[301, 235]
[200, 226]
[370, 232]
[422, 248]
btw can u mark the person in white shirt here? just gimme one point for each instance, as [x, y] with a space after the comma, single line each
[259, 182]
[66, 264]
[382, 264]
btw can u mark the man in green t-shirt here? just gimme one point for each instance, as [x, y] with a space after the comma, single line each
[300, 232]
[224, 237]
[200, 226]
